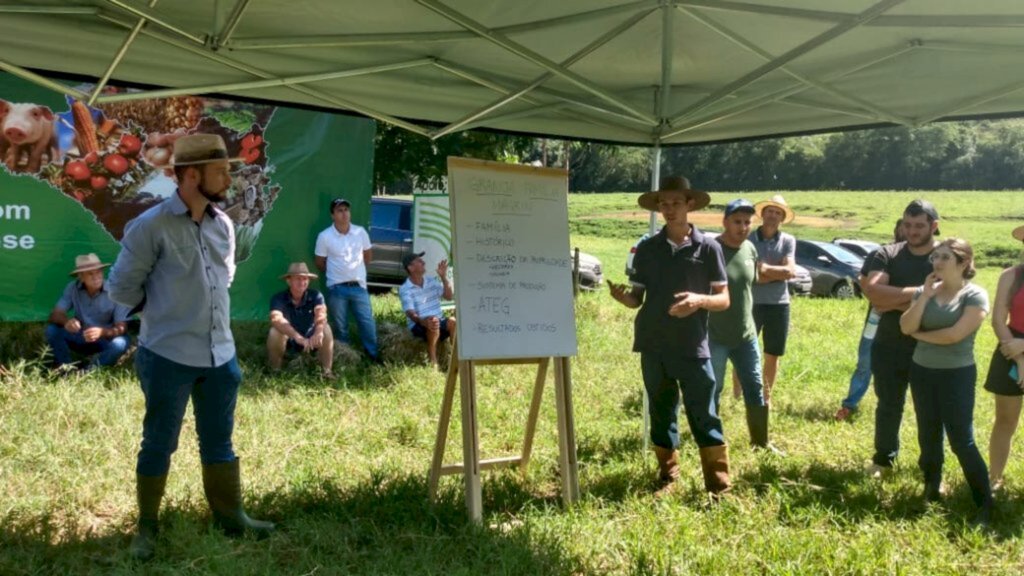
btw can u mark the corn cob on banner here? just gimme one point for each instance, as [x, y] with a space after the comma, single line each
[73, 175]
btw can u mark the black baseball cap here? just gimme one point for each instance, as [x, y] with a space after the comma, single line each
[410, 258]
[918, 207]
[339, 202]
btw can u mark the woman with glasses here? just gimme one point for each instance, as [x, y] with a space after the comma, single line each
[944, 317]
[1007, 387]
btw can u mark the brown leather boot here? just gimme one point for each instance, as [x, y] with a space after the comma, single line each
[668, 469]
[149, 490]
[714, 462]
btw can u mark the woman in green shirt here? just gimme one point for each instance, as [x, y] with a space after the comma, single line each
[944, 317]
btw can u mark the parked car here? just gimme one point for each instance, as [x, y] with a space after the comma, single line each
[391, 233]
[862, 248]
[800, 284]
[834, 270]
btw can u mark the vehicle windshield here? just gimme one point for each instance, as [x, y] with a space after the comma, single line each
[841, 254]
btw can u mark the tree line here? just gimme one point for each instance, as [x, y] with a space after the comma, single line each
[977, 155]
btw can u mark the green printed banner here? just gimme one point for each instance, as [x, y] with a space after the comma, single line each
[72, 176]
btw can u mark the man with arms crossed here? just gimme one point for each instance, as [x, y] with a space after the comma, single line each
[678, 276]
[776, 253]
[889, 279]
[176, 263]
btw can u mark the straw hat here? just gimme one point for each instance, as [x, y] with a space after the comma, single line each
[1018, 233]
[87, 262]
[779, 202]
[649, 200]
[298, 269]
[199, 149]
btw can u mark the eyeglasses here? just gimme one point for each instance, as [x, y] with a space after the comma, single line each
[941, 256]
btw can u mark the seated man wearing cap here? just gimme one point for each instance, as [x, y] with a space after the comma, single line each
[421, 300]
[298, 321]
[98, 325]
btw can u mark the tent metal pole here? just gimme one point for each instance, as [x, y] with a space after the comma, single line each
[738, 39]
[972, 102]
[50, 10]
[538, 81]
[241, 66]
[667, 52]
[726, 6]
[149, 16]
[38, 80]
[233, 19]
[421, 37]
[831, 34]
[752, 104]
[102, 83]
[269, 83]
[799, 102]
[479, 78]
[535, 58]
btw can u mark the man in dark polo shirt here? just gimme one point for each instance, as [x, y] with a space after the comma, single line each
[97, 326]
[889, 279]
[298, 321]
[679, 275]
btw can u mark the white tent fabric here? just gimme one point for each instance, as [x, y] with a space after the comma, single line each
[644, 72]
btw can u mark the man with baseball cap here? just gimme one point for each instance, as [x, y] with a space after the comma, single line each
[889, 279]
[421, 296]
[776, 254]
[678, 277]
[97, 326]
[342, 252]
[176, 264]
[733, 335]
[298, 321]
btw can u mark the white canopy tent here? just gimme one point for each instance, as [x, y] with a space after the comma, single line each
[649, 72]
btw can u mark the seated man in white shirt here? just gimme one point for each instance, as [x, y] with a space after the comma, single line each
[421, 300]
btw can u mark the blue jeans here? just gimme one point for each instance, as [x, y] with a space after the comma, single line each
[746, 362]
[861, 378]
[890, 367]
[62, 342]
[340, 299]
[167, 386]
[944, 400]
[665, 376]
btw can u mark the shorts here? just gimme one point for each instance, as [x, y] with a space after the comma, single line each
[421, 332]
[772, 324]
[998, 380]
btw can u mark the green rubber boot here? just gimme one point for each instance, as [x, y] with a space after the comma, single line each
[223, 486]
[149, 490]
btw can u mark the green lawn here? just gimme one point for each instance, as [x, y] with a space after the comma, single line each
[342, 465]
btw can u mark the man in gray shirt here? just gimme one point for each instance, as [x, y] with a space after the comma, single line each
[776, 263]
[175, 266]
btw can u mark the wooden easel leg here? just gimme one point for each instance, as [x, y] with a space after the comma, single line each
[531, 421]
[566, 432]
[443, 422]
[470, 442]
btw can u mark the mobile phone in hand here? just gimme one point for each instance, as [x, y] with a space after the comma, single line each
[1014, 375]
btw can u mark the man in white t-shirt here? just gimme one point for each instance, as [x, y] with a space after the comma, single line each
[421, 301]
[342, 253]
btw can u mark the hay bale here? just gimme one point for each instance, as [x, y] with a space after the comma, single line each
[344, 355]
[399, 346]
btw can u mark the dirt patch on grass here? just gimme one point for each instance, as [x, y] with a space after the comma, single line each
[708, 219]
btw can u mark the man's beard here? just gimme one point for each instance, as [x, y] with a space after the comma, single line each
[926, 241]
[212, 196]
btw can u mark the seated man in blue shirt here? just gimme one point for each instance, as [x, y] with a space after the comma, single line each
[298, 321]
[98, 325]
[421, 300]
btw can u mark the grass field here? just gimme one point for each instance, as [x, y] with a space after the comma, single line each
[341, 465]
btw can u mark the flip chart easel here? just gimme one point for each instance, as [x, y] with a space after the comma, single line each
[514, 301]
